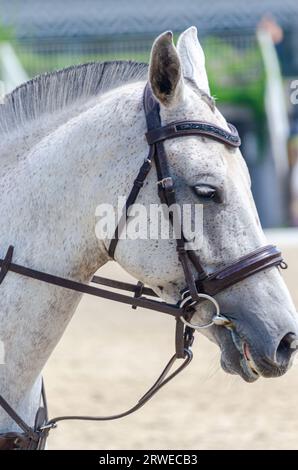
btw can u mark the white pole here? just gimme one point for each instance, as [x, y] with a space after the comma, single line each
[11, 69]
[275, 104]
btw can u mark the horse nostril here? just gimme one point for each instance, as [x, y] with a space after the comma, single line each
[287, 346]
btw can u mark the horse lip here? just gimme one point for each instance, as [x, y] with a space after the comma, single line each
[247, 363]
[248, 368]
[249, 360]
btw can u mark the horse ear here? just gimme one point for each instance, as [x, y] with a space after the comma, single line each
[193, 58]
[165, 74]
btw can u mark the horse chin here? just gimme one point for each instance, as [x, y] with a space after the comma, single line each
[236, 358]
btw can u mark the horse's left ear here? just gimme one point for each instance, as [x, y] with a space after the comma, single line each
[165, 73]
[193, 58]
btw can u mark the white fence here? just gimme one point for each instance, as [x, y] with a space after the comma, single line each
[12, 73]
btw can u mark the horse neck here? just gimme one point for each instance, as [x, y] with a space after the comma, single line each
[50, 220]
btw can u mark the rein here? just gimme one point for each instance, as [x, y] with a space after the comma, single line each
[201, 286]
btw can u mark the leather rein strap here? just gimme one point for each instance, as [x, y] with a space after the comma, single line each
[203, 283]
[32, 438]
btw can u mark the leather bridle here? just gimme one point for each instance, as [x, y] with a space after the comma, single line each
[200, 285]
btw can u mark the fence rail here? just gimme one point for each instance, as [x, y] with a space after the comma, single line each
[12, 72]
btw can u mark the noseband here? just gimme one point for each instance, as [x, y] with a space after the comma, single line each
[200, 286]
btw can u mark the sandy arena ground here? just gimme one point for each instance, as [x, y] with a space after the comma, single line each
[109, 356]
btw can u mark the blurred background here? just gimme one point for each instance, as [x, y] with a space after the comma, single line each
[251, 50]
[251, 55]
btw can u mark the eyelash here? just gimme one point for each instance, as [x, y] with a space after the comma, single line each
[210, 192]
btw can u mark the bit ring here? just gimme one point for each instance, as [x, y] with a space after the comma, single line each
[206, 325]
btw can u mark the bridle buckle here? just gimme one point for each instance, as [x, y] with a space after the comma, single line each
[166, 183]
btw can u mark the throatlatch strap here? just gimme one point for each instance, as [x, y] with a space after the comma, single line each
[5, 264]
[137, 185]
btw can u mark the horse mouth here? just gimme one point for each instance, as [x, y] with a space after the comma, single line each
[248, 366]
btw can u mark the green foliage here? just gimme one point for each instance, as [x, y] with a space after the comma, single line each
[234, 65]
[6, 32]
[236, 75]
[35, 63]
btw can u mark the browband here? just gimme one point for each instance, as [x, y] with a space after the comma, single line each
[184, 128]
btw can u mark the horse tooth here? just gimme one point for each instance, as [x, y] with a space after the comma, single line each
[246, 351]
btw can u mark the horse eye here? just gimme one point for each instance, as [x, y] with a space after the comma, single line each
[204, 191]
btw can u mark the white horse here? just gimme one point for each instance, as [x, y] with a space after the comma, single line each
[76, 138]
